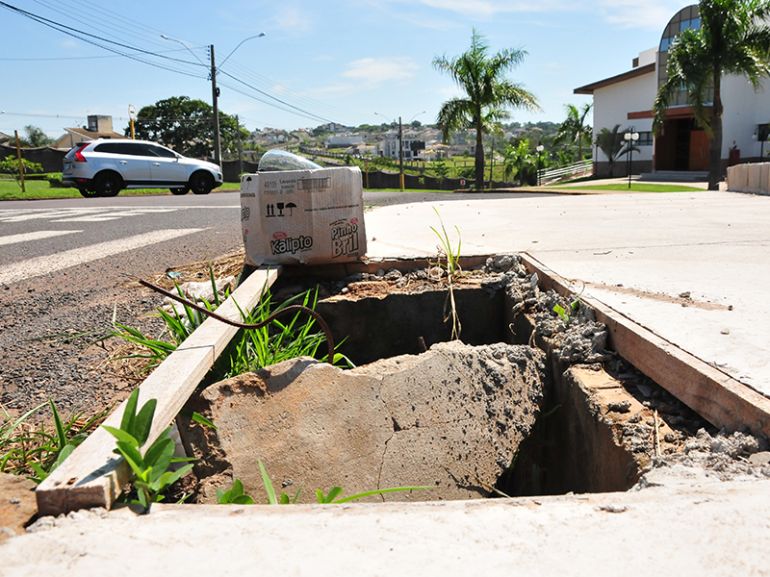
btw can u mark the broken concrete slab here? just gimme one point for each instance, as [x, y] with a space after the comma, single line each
[17, 505]
[451, 418]
[704, 529]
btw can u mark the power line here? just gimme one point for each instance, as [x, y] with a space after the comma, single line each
[150, 33]
[296, 108]
[84, 36]
[98, 41]
[309, 116]
[247, 74]
[38, 115]
[63, 58]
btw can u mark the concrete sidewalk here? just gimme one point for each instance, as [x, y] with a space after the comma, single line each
[713, 246]
[704, 529]
[691, 267]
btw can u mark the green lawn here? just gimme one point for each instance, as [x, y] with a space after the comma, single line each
[407, 190]
[635, 187]
[41, 190]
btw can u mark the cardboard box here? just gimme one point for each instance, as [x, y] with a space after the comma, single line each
[303, 216]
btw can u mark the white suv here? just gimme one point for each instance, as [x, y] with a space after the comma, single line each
[104, 167]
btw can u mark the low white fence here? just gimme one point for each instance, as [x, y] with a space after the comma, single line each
[578, 169]
[753, 177]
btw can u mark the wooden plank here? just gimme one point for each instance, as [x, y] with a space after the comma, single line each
[717, 397]
[93, 475]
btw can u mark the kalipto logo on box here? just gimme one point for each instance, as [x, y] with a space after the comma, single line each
[284, 244]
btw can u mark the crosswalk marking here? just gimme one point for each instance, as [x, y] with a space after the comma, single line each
[44, 214]
[29, 236]
[114, 215]
[80, 214]
[39, 266]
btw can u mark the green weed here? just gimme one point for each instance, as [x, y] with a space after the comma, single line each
[35, 451]
[279, 340]
[251, 349]
[451, 266]
[236, 494]
[178, 326]
[152, 470]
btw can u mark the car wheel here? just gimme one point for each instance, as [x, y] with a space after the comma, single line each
[87, 193]
[107, 184]
[201, 182]
[180, 190]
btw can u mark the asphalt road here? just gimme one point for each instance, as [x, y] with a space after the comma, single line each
[63, 279]
[138, 234]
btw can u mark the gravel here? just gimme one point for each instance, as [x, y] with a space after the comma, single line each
[55, 346]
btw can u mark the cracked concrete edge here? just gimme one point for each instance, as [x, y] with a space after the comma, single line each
[701, 528]
[717, 397]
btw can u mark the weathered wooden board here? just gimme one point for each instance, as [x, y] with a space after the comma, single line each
[717, 397]
[93, 475]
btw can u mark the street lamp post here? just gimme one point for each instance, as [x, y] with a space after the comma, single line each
[214, 89]
[630, 136]
[540, 148]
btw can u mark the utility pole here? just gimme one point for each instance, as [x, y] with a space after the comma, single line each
[492, 162]
[18, 157]
[401, 153]
[215, 104]
[240, 146]
[132, 118]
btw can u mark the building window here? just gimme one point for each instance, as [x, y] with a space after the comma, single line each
[645, 139]
[686, 19]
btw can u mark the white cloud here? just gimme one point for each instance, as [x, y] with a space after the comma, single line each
[69, 44]
[490, 8]
[378, 70]
[652, 14]
[368, 74]
[293, 19]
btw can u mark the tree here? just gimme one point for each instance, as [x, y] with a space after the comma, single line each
[487, 93]
[733, 38]
[613, 145]
[36, 138]
[441, 170]
[574, 130]
[10, 165]
[186, 126]
[520, 163]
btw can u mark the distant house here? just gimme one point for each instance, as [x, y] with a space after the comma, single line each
[389, 148]
[344, 141]
[6, 139]
[98, 127]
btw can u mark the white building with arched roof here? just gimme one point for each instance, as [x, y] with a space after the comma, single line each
[627, 100]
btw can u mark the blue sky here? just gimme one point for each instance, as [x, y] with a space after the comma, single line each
[335, 60]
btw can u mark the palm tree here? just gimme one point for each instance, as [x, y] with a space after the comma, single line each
[487, 93]
[613, 145]
[519, 162]
[574, 129]
[734, 38]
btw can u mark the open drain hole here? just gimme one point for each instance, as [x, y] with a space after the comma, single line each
[449, 418]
